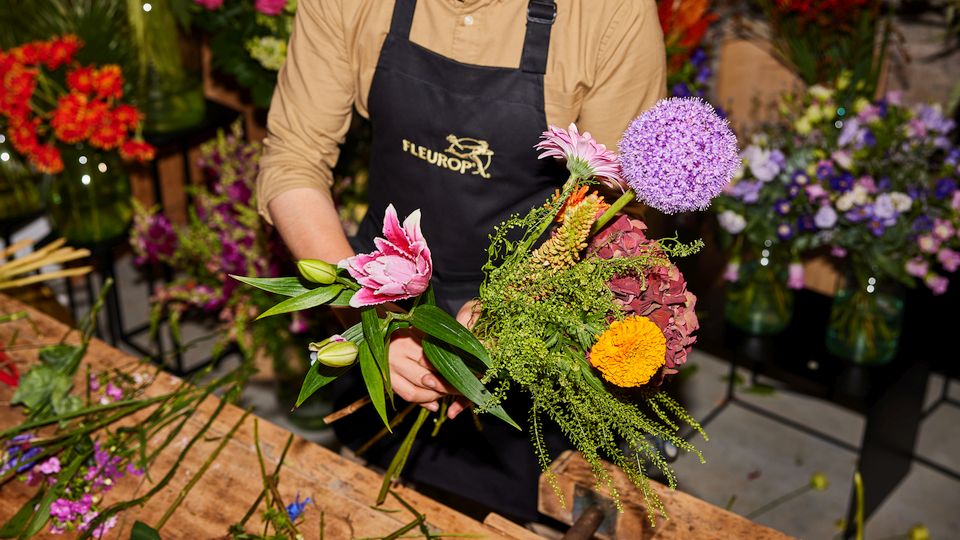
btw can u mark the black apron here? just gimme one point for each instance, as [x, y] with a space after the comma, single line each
[456, 141]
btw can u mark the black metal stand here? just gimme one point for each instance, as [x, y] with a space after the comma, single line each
[890, 397]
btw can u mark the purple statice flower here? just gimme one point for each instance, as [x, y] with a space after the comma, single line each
[104, 527]
[782, 207]
[297, 507]
[50, 466]
[679, 155]
[945, 187]
[841, 183]
[795, 275]
[937, 284]
[240, 193]
[154, 239]
[680, 90]
[106, 469]
[113, 392]
[917, 267]
[876, 227]
[825, 169]
[826, 217]
[586, 158]
[747, 191]
[784, 231]
[949, 259]
[922, 224]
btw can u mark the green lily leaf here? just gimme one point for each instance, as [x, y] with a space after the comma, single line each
[307, 300]
[456, 372]
[374, 381]
[374, 334]
[142, 531]
[286, 286]
[439, 324]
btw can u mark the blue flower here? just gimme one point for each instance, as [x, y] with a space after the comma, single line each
[297, 507]
[793, 190]
[806, 224]
[800, 177]
[782, 207]
[681, 90]
[922, 224]
[876, 227]
[842, 183]
[824, 169]
[785, 231]
[945, 188]
[699, 57]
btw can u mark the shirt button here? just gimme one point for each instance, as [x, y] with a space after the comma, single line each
[468, 20]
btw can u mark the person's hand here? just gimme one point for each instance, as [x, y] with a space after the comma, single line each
[412, 376]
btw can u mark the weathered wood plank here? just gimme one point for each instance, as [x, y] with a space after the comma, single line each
[342, 490]
[690, 518]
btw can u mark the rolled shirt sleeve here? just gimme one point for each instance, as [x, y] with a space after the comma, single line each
[631, 72]
[311, 108]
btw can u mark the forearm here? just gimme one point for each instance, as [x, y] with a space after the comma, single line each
[309, 225]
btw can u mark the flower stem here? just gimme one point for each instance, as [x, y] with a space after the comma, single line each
[614, 209]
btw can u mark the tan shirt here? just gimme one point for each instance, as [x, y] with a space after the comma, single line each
[606, 64]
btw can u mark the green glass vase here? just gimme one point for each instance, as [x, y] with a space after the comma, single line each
[90, 201]
[170, 82]
[21, 192]
[759, 301]
[865, 320]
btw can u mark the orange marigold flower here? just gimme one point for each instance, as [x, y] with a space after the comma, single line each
[61, 50]
[630, 352]
[108, 82]
[138, 150]
[46, 158]
[81, 79]
[127, 116]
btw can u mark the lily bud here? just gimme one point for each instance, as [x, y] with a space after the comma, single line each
[334, 351]
[317, 271]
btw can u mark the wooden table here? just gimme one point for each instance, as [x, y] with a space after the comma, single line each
[343, 491]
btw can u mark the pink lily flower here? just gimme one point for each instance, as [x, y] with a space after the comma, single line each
[399, 269]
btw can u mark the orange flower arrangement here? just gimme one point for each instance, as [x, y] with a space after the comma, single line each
[630, 352]
[37, 111]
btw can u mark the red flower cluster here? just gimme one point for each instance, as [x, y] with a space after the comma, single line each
[661, 295]
[684, 23]
[8, 371]
[89, 111]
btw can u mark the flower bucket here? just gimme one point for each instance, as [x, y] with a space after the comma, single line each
[759, 301]
[865, 321]
[90, 201]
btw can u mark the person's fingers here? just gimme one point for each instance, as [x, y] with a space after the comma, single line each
[436, 383]
[411, 392]
[456, 408]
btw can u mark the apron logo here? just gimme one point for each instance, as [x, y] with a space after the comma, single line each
[463, 155]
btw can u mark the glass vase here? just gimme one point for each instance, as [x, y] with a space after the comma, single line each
[170, 82]
[90, 201]
[865, 320]
[759, 301]
[21, 192]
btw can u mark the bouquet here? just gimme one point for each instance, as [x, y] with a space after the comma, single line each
[820, 40]
[248, 40]
[223, 235]
[588, 324]
[684, 25]
[51, 104]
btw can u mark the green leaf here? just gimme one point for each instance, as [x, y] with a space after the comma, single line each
[343, 299]
[456, 372]
[317, 377]
[142, 531]
[374, 381]
[437, 323]
[307, 300]
[286, 286]
[374, 334]
[400, 458]
[36, 387]
[18, 523]
[59, 357]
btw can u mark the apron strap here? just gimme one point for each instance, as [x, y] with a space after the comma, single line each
[540, 17]
[403, 18]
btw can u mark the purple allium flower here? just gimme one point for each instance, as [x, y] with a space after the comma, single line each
[795, 275]
[585, 157]
[917, 267]
[785, 231]
[945, 187]
[826, 217]
[679, 155]
[782, 207]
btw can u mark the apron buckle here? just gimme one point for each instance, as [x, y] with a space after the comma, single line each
[542, 11]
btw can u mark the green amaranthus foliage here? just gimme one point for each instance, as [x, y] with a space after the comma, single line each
[538, 331]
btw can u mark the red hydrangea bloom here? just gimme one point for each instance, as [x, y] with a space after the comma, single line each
[661, 295]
